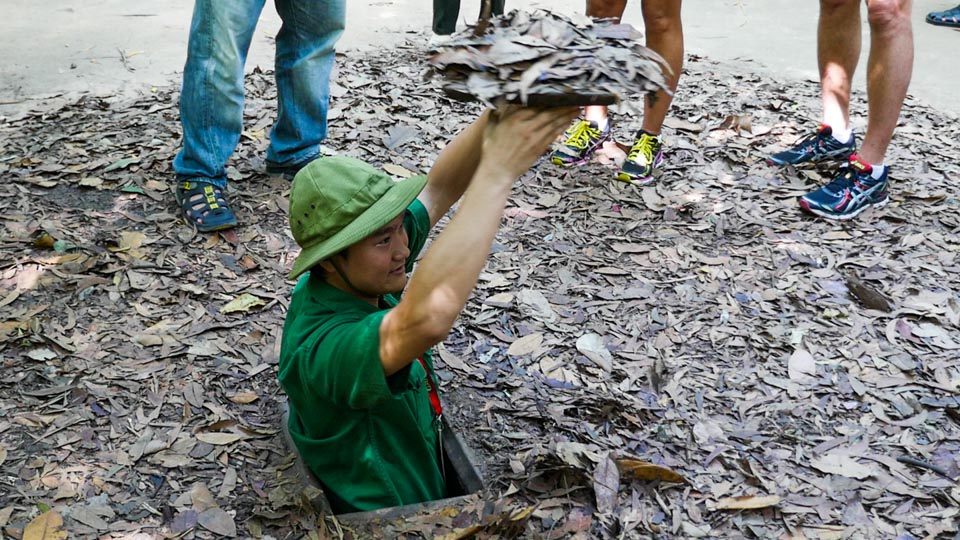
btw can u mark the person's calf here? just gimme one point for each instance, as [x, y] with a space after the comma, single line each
[663, 25]
[832, 6]
[606, 9]
[662, 18]
[889, 15]
[839, 16]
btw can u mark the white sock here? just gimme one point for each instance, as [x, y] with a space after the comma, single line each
[842, 135]
[602, 124]
[878, 171]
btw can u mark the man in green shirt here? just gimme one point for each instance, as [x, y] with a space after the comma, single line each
[354, 358]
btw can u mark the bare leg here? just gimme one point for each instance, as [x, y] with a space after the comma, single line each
[661, 19]
[838, 50]
[888, 72]
[603, 9]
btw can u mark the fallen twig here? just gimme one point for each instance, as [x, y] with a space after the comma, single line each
[910, 460]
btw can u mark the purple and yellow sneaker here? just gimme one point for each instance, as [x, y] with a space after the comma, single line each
[645, 156]
[581, 140]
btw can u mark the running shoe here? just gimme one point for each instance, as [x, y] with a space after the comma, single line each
[645, 156]
[581, 140]
[818, 146]
[853, 190]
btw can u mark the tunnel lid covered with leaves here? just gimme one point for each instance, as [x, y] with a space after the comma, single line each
[547, 59]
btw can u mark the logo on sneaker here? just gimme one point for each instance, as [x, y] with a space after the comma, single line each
[859, 164]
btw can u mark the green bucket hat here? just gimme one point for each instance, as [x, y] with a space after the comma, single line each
[337, 201]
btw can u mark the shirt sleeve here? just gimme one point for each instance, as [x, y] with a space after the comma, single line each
[344, 365]
[417, 224]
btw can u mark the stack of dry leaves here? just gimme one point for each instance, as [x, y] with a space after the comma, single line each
[548, 59]
[694, 358]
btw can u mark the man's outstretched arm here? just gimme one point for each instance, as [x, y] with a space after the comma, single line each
[448, 272]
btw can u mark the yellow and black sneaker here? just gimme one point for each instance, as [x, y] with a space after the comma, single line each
[581, 140]
[645, 156]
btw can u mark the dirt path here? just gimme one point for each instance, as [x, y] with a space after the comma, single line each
[122, 46]
[701, 324]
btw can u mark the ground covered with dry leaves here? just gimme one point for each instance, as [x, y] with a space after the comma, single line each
[695, 358]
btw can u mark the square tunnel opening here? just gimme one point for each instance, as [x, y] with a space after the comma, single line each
[463, 479]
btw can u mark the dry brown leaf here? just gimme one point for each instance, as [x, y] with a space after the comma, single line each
[801, 366]
[606, 484]
[218, 438]
[217, 521]
[500, 299]
[842, 465]
[591, 345]
[131, 240]
[41, 355]
[5, 515]
[397, 170]
[244, 302]
[244, 398]
[870, 297]
[643, 471]
[46, 526]
[451, 360]
[525, 345]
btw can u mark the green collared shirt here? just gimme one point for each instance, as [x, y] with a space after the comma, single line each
[369, 438]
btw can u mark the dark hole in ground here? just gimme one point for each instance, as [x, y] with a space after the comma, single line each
[462, 475]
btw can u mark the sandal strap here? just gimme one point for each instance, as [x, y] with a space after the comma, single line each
[215, 213]
[950, 16]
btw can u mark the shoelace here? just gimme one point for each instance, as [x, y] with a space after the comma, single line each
[807, 139]
[581, 134]
[643, 147]
[842, 181]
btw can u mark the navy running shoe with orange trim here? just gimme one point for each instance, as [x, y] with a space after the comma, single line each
[817, 146]
[852, 191]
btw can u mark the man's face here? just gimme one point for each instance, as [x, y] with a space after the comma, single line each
[375, 265]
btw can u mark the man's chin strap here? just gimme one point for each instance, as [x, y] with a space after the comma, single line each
[343, 276]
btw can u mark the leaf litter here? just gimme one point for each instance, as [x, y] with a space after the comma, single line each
[548, 59]
[694, 358]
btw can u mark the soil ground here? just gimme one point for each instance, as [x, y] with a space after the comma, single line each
[692, 358]
[117, 46]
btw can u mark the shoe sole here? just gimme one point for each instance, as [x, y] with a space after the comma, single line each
[641, 180]
[637, 181]
[841, 217]
[567, 164]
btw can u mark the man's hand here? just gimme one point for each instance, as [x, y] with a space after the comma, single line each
[517, 136]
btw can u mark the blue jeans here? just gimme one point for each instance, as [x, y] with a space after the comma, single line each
[211, 100]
